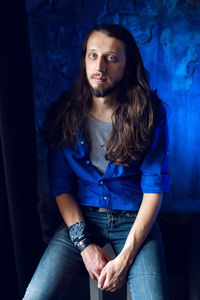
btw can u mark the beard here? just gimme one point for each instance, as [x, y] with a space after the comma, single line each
[101, 91]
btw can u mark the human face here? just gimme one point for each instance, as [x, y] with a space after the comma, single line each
[105, 63]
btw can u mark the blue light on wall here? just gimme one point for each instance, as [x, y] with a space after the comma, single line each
[168, 35]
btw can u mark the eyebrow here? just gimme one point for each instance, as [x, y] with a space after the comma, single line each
[107, 52]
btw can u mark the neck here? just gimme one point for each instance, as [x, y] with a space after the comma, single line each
[103, 107]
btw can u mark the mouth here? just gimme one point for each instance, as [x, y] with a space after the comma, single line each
[99, 79]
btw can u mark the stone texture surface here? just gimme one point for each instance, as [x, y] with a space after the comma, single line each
[168, 35]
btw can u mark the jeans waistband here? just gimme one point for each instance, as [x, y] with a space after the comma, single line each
[115, 211]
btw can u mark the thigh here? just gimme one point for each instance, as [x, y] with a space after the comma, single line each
[59, 264]
[147, 276]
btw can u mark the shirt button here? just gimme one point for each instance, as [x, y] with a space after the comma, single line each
[87, 162]
[101, 182]
[105, 197]
[82, 142]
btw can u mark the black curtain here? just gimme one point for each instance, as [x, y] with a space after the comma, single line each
[21, 241]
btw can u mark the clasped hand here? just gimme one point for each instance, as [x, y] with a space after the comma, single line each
[110, 274]
[113, 276]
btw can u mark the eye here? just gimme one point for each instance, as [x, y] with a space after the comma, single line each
[112, 58]
[92, 55]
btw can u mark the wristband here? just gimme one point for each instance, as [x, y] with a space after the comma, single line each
[83, 244]
[78, 232]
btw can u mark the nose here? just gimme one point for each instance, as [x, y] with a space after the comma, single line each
[101, 64]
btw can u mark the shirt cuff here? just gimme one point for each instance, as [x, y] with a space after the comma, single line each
[155, 183]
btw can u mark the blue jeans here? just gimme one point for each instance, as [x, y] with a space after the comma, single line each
[62, 261]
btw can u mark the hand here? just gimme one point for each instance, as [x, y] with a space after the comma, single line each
[95, 258]
[113, 275]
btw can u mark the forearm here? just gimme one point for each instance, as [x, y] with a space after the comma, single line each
[93, 256]
[69, 209]
[145, 218]
[114, 273]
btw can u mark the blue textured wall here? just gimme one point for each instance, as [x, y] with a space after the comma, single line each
[168, 35]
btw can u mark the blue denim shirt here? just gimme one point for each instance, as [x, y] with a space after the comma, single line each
[120, 187]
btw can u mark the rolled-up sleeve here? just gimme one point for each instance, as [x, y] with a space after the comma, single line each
[61, 177]
[154, 168]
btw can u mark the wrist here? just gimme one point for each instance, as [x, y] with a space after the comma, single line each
[81, 245]
[126, 257]
[80, 235]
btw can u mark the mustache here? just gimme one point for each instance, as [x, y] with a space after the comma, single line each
[98, 74]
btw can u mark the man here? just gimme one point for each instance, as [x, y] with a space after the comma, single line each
[108, 170]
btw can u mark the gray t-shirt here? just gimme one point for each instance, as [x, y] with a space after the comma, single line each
[98, 133]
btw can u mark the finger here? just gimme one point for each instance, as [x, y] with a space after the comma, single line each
[112, 290]
[106, 285]
[109, 284]
[97, 276]
[101, 280]
[92, 276]
[115, 287]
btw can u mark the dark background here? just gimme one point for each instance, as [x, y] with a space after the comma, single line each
[39, 58]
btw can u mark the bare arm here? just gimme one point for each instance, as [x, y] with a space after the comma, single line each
[94, 257]
[114, 273]
[69, 209]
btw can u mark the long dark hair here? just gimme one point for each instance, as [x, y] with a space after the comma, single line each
[136, 112]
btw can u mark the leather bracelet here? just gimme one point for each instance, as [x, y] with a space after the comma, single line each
[83, 244]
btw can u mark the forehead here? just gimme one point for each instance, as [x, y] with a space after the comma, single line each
[99, 41]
